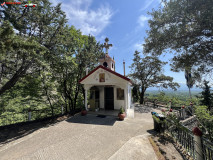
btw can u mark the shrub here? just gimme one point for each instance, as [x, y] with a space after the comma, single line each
[121, 111]
[206, 120]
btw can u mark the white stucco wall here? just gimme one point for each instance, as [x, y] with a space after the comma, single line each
[101, 91]
[129, 96]
[110, 80]
[117, 103]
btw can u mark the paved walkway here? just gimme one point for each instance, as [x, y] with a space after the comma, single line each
[88, 137]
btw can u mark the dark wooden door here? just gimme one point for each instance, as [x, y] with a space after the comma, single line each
[109, 98]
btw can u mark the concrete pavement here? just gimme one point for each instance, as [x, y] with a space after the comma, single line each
[88, 137]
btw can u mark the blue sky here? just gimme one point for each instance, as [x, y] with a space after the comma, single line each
[123, 22]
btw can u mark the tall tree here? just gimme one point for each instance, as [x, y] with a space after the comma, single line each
[184, 28]
[44, 48]
[37, 31]
[135, 93]
[189, 80]
[206, 96]
[148, 73]
[69, 64]
[18, 55]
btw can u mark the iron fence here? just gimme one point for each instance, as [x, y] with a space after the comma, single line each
[207, 148]
[183, 136]
[9, 118]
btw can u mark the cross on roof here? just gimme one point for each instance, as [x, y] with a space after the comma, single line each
[106, 45]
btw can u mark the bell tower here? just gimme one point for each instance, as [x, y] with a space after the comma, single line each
[106, 60]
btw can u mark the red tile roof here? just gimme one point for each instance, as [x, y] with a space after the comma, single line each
[107, 69]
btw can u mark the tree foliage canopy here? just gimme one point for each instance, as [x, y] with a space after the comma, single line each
[147, 72]
[207, 96]
[42, 58]
[184, 28]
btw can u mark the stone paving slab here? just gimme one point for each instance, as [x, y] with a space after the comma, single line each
[80, 137]
[137, 148]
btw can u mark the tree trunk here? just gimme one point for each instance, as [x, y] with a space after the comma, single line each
[76, 96]
[20, 73]
[66, 106]
[83, 91]
[141, 97]
[70, 105]
[142, 94]
[190, 93]
[48, 98]
[65, 102]
[67, 96]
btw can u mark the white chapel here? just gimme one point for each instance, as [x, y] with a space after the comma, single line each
[107, 89]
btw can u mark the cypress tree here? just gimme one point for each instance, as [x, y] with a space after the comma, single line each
[207, 98]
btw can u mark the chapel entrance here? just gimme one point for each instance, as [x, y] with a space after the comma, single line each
[94, 98]
[109, 98]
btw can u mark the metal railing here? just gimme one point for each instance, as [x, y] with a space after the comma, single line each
[9, 118]
[184, 136]
[207, 148]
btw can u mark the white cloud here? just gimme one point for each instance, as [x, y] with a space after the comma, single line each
[142, 20]
[147, 4]
[138, 46]
[84, 18]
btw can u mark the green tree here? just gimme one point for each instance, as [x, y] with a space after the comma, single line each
[189, 80]
[135, 93]
[29, 52]
[74, 54]
[37, 34]
[205, 121]
[183, 28]
[18, 55]
[206, 96]
[51, 56]
[148, 73]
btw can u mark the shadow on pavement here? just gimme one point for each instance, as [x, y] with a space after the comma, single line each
[152, 131]
[93, 119]
[15, 131]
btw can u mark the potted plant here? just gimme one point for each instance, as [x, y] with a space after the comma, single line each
[121, 114]
[83, 112]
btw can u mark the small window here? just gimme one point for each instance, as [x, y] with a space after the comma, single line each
[120, 94]
[112, 65]
[105, 64]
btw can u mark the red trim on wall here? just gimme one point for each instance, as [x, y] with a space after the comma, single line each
[113, 72]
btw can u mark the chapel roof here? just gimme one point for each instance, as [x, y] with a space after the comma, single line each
[105, 56]
[107, 69]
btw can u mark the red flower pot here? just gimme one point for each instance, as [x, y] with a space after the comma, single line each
[83, 112]
[121, 116]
